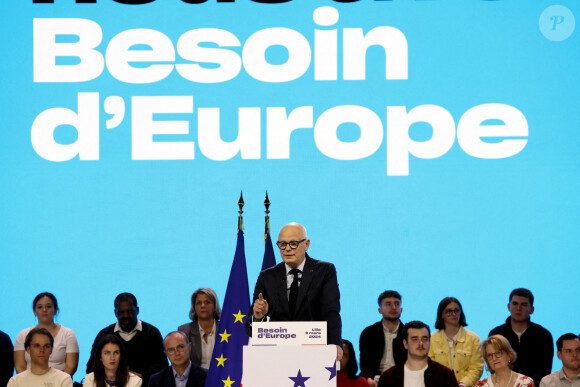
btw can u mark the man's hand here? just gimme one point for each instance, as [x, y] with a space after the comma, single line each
[372, 382]
[338, 353]
[260, 307]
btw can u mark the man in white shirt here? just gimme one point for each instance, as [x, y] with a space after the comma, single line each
[568, 346]
[418, 370]
[38, 345]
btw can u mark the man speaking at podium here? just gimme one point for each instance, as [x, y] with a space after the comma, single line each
[300, 289]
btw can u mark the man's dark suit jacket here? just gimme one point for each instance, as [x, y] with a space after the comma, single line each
[165, 377]
[372, 346]
[318, 297]
[435, 375]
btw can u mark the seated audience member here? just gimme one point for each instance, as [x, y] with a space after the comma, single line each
[182, 372]
[532, 342]
[348, 368]
[143, 342]
[418, 369]
[38, 345]
[6, 359]
[454, 346]
[381, 344]
[202, 330]
[568, 346]
[111, 369]
[500, 357]
[65, 352]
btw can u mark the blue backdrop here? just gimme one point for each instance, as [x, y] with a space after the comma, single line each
[116, 173]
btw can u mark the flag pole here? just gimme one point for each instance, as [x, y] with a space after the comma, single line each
[269, 260]
[267, 225]
[240, 212]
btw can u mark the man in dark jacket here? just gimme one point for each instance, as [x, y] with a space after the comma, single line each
[532, 342]
[381, 344]
[418, 369]
[182, 371]
[143, 341]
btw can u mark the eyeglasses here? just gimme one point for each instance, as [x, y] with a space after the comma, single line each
[171, 351]
[451, 311]
[293, 244]
[496, 355]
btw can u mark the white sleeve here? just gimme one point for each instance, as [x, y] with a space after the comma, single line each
[19, 343]
[72, 345]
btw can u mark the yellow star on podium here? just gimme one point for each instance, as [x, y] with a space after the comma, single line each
[221, 360]
[224, 336]
[228, 382]
[239, 317]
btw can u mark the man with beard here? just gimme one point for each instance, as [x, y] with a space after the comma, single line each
[568, 346]
[381, 344]
[143, 341]
[418, 370]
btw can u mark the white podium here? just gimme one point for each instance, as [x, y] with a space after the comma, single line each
[289, 354]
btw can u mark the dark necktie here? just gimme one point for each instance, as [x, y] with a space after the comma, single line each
[293, 291]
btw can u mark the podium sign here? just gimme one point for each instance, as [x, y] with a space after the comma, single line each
[289, 333]
[286, 366]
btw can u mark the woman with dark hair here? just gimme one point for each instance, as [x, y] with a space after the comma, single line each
[499, 357]
[65, 351]
[454, 346]
[111, 369]
[205, 314]
[348, 368]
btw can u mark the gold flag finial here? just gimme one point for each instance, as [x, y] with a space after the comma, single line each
[267, 205]
[240, 211]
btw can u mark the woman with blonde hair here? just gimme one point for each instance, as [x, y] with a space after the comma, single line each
[205, 314]
[499, 358]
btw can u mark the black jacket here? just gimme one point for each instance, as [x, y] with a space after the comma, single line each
[144, 351]
[372, 346]
[165, 378]
[535, 349]
[318, 297]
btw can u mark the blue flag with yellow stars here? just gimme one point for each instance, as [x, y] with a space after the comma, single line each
[225, 369]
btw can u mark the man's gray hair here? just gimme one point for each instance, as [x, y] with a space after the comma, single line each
[174, 332]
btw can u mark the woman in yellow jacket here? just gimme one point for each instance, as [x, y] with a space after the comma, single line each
[454, 346]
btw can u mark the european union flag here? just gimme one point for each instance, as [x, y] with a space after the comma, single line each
[269, 259]
[226, 365]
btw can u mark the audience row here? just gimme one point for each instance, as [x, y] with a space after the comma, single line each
[517, 353]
